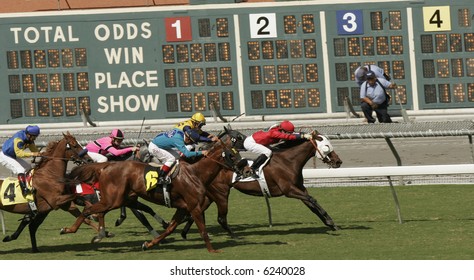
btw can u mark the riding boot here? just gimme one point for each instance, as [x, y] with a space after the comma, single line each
[261, 159]
[163, 175]
[22, 182]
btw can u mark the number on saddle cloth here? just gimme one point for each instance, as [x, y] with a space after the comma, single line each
[150, 176]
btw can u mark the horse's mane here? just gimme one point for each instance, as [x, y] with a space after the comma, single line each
[285, 145]
[49, 150]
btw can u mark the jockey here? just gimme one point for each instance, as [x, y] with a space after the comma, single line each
[196, 122]
[100, 148]
[13, 150]
[170, 145]
[260, 140]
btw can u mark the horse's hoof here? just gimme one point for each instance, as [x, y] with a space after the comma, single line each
[144, 246]
[335, 228]
[215, 251]
[63, 231]
[118, 222]
[164, 225]
[109, 234]
[184, 235]
[35, 250]
[7, 239]
[96, 239]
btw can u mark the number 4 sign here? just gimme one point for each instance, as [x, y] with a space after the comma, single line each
[178, 29]
[436, 18]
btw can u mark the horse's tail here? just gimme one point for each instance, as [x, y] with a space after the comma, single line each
[86, 173]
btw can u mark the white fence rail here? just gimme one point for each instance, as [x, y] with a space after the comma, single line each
[388, 171]
[451, 169]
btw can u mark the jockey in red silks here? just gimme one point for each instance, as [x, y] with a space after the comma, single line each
[110, 145]
[260, 140]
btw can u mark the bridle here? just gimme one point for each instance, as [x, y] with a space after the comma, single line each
[232, 158]
[77, 157]
[324, 158]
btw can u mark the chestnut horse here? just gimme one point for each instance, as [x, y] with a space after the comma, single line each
[283, 175]
[121, 180]
[46, 180]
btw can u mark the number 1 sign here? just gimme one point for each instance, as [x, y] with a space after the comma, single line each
[178, 29]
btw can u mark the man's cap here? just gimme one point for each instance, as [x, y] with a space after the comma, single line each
[371, 75]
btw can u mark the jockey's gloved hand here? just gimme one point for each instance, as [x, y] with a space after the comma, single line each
[306, 136]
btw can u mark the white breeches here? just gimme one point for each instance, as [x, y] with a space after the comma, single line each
[16, 166]
[96, 157]
[251, 146]
[166, 157]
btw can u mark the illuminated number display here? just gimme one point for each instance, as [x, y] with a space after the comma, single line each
[48, 71]
[200, 73]
[444, 57]
[282, 60]
[367, 37]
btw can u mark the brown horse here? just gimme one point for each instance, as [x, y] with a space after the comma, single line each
[121, 180]
[283, 175]
[46, 180]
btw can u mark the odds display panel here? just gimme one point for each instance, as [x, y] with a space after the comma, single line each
[444, 37]
[375, 36]
[117, 67]
[282, 62]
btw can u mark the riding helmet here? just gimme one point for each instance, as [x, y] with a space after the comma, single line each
[33, 130]
[117, 134]
[287, 126]
[199, 118]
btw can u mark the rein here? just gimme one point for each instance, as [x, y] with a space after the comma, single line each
[218, 162]
[323, 158]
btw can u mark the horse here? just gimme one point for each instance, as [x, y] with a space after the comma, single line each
[283, 175]
[136, 206]
[46, 181]
[120, 180]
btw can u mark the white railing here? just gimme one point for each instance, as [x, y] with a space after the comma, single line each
[451, 169]
[388, 171]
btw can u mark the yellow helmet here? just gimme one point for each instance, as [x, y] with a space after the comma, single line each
[199, 118]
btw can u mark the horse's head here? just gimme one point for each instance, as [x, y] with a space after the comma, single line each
[231, 157]
[74, 151]
[325, 150]
[237, 138]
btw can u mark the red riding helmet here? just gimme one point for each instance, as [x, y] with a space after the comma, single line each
[287, 126]
[117, 134]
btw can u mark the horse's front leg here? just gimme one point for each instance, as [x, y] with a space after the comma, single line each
[75, 226]
[320, 212]
[33, 227]
[123, 216]
[198, 218]
[102, 231]
[24, 222]
[177, 218]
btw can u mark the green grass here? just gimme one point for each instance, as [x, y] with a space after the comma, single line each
[438, 225]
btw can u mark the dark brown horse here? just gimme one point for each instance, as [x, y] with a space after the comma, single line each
[46, 180]
[283, 175]
[120, 181]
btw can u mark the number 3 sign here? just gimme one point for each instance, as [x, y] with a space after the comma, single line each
[349, 22]
[263, 25]
[178, 29]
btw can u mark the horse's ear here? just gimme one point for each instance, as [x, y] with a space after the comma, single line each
[316, 135]
[226, 130]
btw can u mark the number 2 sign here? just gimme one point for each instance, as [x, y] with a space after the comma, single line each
[178, 29]
[263, 25]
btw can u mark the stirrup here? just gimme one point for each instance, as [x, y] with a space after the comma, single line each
[164, 180]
